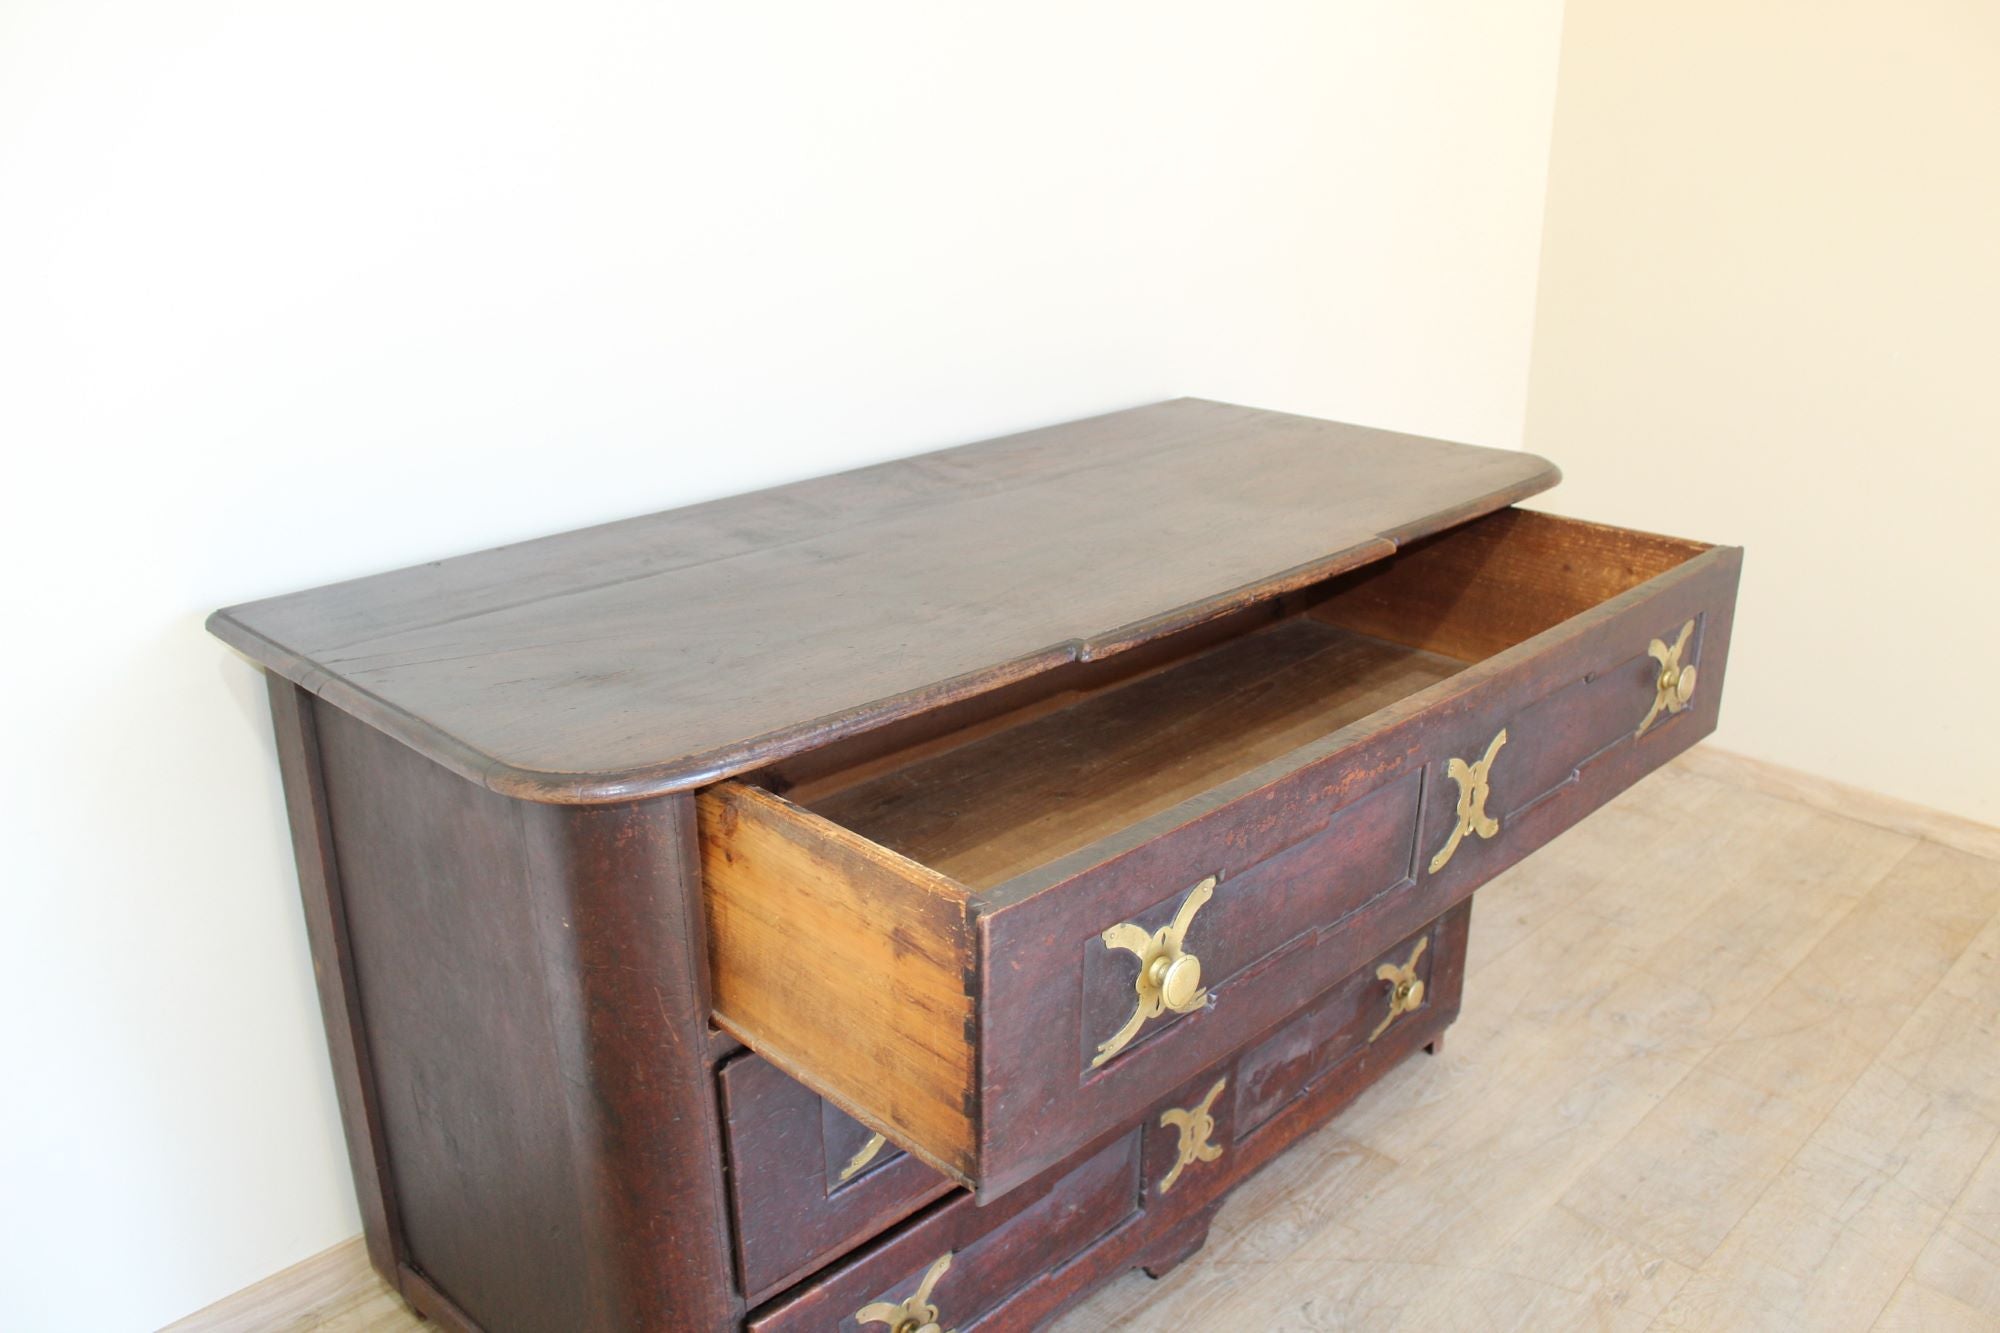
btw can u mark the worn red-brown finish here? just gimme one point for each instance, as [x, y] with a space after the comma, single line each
[333, 970]
[787, 1149]
[995, 1250]
[1333, 1028]
[490, 766]
[527, 978]
[1004, 1273]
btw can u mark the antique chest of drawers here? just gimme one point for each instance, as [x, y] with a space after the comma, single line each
[907, 899]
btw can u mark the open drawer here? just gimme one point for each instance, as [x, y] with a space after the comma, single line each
[997, 945]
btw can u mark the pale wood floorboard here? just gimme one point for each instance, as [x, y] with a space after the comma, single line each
[332, 1292]
[1729, 1059]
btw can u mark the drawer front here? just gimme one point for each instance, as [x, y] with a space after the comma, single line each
[1365, 822]
[1414, 982]
[1352, 1017]
[1556, 756]
[996, 1031]
[1340, 863]
[808, 1181]
[1349, 1036]
[963, 1262]
[1015, 1262]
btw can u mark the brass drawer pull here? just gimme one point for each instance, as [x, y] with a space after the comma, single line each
[1169, 975]
[915, 1315]
[1195, 1125]
[1674, 686]
[862, 1158]
[1472, 793]
[1406, 988]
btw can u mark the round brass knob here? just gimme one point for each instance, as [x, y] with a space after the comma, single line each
[1409, 993]
[1684, 684]
[1178, 977]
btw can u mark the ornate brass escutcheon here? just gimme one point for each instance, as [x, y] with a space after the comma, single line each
[1169, 976]
[863, 1157]
[1406, 988]
[917, 1314]
[1195, 1125]
[1472, 792]
[1674, 686]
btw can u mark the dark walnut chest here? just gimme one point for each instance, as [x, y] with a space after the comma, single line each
[908, 899]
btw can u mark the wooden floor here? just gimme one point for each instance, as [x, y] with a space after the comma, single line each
[1729, 1059]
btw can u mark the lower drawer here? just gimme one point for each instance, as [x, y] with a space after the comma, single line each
[958, 1266]
[1213, 1131]
[808, 1181]
[1417, 978]
[1010, 1264]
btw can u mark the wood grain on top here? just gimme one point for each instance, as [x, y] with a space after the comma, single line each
[663, 652]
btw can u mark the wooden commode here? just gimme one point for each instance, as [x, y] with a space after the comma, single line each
[902, 901]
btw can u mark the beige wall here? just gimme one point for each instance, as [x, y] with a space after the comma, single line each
[1769, 314]
[294, 292]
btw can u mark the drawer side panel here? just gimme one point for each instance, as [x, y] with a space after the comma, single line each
[845, 965]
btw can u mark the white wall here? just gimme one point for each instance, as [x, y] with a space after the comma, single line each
[1768, 316]
[293, 292]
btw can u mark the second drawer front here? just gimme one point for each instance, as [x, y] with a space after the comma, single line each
[808, 1181]
[809, 1184]
[1005, 1265]
[962, 1261]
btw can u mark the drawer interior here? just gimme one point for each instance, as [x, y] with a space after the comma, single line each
[868, 929]
[1001, 795]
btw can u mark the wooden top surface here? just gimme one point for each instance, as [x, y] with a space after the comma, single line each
[663, 652]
